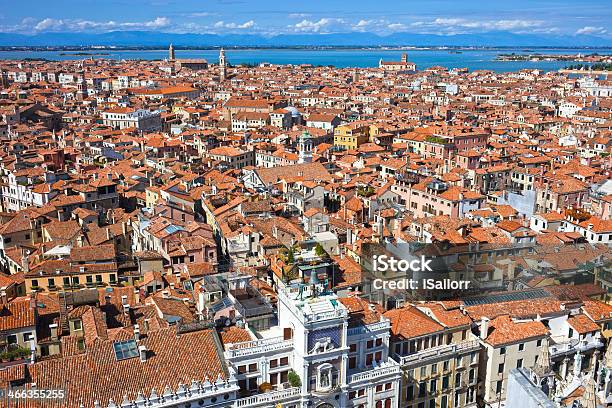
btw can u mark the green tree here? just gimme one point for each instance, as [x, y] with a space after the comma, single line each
[291, 256]
[294, 379]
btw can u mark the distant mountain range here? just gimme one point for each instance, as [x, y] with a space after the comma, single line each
[154, 39]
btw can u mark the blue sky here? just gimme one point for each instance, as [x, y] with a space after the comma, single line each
[270, 17]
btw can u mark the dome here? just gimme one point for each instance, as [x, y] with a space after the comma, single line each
[294, 112]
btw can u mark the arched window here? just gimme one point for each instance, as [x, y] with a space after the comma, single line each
[325, 377]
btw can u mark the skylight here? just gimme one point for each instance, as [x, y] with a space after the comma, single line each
[125, 349]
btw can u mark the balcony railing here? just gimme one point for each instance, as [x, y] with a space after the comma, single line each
[354, 331]
[573, 345]
[249, 348]
[389, 368]
[441, 351]
[269, 398]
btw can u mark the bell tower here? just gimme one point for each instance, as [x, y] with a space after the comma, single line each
[222, 65]
[305, 148]
[171, 54]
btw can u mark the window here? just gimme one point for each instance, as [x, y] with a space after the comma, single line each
[539, 343]
[433, 385]
[77, 324]
[284, 361]
[521, 346]
[252, 367]
[273, 363]
[370, 344]
[274, 378]
[422, 389]
[324, 377]
[445, 381]
[409, 392]
[35, 282]
[27, 337]
[519, 363]
[432, 403]
[457, 379]
[498, 387]
[352, 362]
[502, 351]
[500, 368]
[444, 401]
[434, 368]
[423, 371]
[353, 347]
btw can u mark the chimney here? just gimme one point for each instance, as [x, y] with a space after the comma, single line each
[124, 300]
[143, 353]
[124, 228]
[165, 294]
[484, 328]
[136, 332]
[25, 261]
[136, 296]
[53, 330]
[3, 298]
[108, 234]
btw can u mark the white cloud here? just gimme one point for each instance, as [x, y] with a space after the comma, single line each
[299, 15]
[590, 30]
[396, 27]
[70, 25]
[200, 14]
[324, 25]
[233, 26]
[487, 24]
[462, 25]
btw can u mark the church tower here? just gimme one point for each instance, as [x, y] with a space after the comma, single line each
[305, 148]
[82, 86]
[171, 54]
[222, 65]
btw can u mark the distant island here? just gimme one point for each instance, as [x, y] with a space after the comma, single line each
[91, 54]
[589, 58]
[590, 67]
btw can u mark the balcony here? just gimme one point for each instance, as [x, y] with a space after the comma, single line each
[372, 374]
[270, 398]
[573, 346]
[440, 352]
[370, 328]
[249, 348]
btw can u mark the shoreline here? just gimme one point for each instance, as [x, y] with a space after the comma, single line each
[526, 49]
